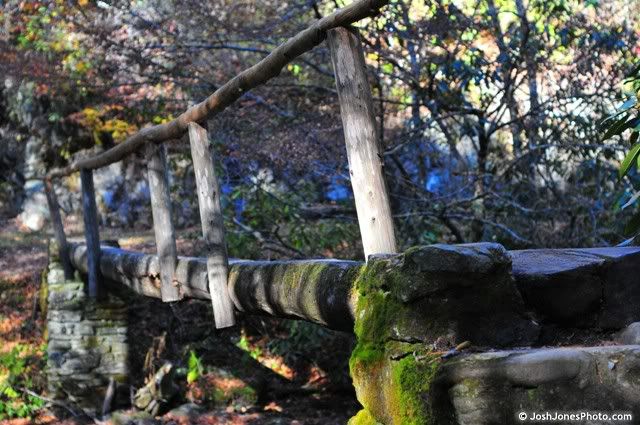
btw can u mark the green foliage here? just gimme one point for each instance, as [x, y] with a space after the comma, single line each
[445, 64]
[271, 221]
[15, 368]
[47, 30]
[244, 345]
[629, 160]
[627, 117]
[195, 368]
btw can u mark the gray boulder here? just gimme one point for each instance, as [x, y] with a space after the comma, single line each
[629, 335]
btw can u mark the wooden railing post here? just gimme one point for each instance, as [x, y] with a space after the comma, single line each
[91, 232]
[363, 143]
[212, 225]
[58, 228]
[162, 223]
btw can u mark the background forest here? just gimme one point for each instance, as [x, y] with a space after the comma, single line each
[490, 114]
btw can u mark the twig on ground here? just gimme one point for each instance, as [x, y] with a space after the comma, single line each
[50, 401]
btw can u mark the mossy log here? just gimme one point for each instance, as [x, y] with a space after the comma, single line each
[318, 291]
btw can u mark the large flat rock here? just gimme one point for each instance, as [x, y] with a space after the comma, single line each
[495, 387]
[590, 287]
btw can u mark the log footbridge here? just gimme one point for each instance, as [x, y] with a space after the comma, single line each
[462, 334]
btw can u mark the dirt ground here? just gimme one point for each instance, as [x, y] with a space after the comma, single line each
[305, 367]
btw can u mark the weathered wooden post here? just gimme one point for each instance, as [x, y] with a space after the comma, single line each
[363, 143]
[162, 223]
[58, 228]
[212, 225]
[91, 233]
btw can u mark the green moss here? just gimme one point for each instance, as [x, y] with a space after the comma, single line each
[372, 277]
[43, 293]
[248, 394]
[220, 387]
[293, 275]
[91, 342]
[353, 273]
[314, 272]
[376, 305]
[120, 378]
[290, 276]
[363, 417]
[372, 317]
[396, 350]
[472, 385]
[366, 353]
[218, 396]
[244, 396]
[411, 380]
[392, 378]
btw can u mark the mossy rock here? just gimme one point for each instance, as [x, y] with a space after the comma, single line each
[408, 304]
[396, 391]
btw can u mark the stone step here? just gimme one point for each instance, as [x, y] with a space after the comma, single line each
[587, 287]
[496, 387]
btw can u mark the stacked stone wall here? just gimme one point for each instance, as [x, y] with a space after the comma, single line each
[87, 343]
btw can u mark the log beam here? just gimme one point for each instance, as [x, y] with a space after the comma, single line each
[318, 291]
[58, 228]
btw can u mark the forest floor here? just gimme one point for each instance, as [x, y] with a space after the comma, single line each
[308, 364]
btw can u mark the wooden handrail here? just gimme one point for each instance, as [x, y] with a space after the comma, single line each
[252, 77]
[58, 229]
[91, 232]
[363, 143]
[212, 225]
[166, 248]
[361, 138]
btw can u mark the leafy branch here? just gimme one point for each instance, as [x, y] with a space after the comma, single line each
[627, 117]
